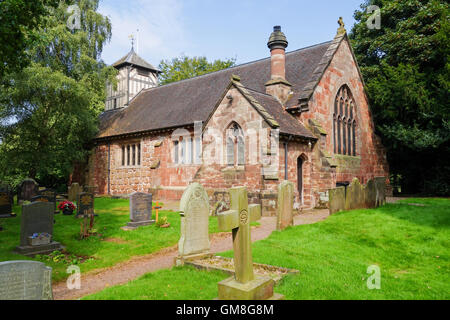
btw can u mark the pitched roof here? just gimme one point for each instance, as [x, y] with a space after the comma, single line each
[133, 59]
[274, 113]
[184, 102]
[320, 68]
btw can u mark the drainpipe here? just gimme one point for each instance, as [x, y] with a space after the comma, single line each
[285, 161]
[109, 168]
[286, 175]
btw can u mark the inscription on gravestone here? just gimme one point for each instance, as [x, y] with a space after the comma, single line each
[140, 210]
[25, 280]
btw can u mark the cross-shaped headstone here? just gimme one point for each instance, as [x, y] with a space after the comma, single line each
[238, 220]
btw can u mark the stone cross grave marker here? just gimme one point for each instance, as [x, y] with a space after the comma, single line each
[85, 204]
[244, 285]
[140, 210]
[285, 211]
[51, 194]
[6, 202]
[27, 190]
[74, 190]
[194, 211]
[36, 229]
[25, 280]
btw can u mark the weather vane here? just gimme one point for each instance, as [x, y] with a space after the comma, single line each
[131, 37]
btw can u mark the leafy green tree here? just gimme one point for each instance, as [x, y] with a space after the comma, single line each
[184, 68]
[18, 19]
[406, 68]
[49, 110]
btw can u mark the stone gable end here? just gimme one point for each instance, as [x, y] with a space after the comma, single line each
[370, 160]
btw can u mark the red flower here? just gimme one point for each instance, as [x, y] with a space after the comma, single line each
[66, 205]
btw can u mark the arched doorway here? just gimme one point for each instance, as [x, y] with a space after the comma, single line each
[300, 178]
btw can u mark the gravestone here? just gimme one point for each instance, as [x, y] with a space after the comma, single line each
[74, 190]
[89, 189]
[140, 210]
[354, 198]
[25, 280]
[337, 199]
[244, 285]
[51, 194]
[6, 202]
[85, 204]
[27, 190]
[370, 194]
[380, 186]
[37, 223]
[194, 212]
[285, 210]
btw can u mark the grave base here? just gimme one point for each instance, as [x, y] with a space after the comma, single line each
[34, 250]
[261, 288]
[134, 225]
[181, 260]
[8, 215]
[80, 216]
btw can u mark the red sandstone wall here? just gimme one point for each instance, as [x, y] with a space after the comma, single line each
[219, 175]
[124, 179]
[371, 160]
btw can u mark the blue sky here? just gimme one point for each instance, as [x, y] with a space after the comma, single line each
[219, 29]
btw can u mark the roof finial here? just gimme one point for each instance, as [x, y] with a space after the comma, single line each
[341, 30]
[131, 37]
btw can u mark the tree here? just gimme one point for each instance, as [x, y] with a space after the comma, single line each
[184, 68]
[406, 70]
[18, 19]
[49, 110]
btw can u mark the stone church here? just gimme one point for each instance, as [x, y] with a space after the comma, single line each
[301, 116]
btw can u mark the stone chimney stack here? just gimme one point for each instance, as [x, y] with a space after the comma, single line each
[278, 86]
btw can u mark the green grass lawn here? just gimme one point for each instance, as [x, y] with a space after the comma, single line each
[410, 244]
[113, 246]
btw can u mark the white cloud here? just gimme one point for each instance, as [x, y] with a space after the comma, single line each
[162, 33]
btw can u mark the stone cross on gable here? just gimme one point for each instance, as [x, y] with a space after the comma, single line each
[238, 220]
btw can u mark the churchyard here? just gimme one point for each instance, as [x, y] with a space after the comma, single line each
[111, 246]
[407, 241]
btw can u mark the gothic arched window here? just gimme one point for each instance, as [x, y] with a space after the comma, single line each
[235, 145]
[344, 123]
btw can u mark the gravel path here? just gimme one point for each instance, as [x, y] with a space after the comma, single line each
[122, 273]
